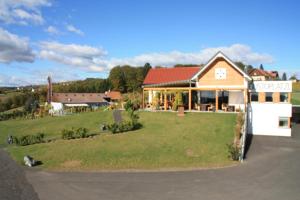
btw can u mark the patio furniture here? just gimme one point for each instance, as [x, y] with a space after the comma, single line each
[238, 109]
[224, 107]
[203, 107]
[231, 108]
[211, 107]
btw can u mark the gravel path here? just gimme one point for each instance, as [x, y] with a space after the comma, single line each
[13, 183]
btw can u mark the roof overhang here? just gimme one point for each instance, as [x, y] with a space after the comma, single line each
[169, 83]
[221, 55]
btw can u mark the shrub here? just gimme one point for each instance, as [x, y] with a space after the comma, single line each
[124, 126]
[29, 139]
[233, 151]
[178, 100]
[13, 115]
[72, 133]
[238, 127]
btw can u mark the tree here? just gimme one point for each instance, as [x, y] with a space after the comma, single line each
[117, 79]
[261, 67]
[146, 68]
[249, 68]
[293, 77]
[284, 76]
[240, 65]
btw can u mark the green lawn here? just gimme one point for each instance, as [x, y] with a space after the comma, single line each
[165, 141]
[296, 98]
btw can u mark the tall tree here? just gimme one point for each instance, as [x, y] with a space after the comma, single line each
[284, 76]
[117, 79]
[261, 67]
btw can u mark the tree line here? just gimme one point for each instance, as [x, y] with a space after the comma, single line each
[121, 78]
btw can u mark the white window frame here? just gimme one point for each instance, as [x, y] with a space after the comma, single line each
[281, 119]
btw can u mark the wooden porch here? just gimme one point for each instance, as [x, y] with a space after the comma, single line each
[163, 98]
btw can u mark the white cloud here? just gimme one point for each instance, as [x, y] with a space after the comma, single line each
[95, 59]
[35, 77]
[236, 52]
[22, 11]
[73, 29]
[52, 30]
[14, 48]
[81, 56]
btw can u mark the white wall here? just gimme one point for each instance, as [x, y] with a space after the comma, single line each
[263, 118]
[56, 108]
[236, 98]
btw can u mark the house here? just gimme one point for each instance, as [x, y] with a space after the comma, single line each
[262, 75]
[59, 101]
[221, 86]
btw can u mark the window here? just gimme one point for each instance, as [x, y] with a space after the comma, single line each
[283, 97]
[220, 73]
[283, 122]
[269, 96]
[254, 96]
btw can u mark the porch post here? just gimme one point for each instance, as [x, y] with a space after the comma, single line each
[190, 99]
[217, 101]
[165, 100]
[245, 99]
[143, 100]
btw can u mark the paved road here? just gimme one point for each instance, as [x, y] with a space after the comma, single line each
[272, 171]
[13, 183]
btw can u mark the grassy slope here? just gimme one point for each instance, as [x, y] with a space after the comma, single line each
[165, 141]
[296, 94]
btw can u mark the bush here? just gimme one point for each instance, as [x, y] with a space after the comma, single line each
[122, 127]
[130, 125]
[68, 134]
[13, 115]
[29, 139]
[234, 151]
[238, 127]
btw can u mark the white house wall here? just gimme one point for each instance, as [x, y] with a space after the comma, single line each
[263, 118]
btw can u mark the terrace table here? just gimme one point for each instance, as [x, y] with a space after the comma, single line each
[203, 107]
[231, 108]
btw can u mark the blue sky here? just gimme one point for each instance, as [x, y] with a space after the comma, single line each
[77, 39]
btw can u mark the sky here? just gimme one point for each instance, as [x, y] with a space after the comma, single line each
[73, 40]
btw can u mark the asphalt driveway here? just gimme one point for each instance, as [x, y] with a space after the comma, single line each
[13, 183]
[271, 171]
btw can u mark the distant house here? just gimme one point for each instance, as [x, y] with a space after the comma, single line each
[60, 100]
[262, 75]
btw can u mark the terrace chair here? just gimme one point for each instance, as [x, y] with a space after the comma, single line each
[224, 107]
[211, 107]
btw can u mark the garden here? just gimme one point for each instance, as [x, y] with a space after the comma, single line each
[164, 141]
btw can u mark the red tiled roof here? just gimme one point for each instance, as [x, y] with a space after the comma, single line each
[114, 95]
[169, 75]
[260, 72]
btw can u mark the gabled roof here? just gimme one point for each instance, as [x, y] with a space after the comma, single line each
[170, 75]
[260, 72]
[79, 97]
[221, 55]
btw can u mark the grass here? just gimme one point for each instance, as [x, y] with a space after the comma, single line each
[296, 94]
[165, 141]
[296, 98]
